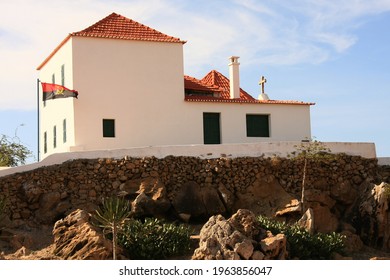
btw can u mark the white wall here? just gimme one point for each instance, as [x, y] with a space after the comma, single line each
[384, 161]
[287, 122]
[55, 111]
[139, 84]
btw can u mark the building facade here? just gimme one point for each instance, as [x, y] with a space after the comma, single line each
[133, 93]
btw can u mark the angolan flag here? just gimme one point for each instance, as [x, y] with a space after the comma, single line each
[53, 91]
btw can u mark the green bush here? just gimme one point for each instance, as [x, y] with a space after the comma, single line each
[154, 239]
[302, 244]
[387, 191]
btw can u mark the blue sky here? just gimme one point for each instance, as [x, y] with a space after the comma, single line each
[335, 53]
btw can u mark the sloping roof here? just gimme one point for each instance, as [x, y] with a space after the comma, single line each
[195, 84]
[115, 26]
[215, 78]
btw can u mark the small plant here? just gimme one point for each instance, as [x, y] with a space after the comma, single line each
[309, 150]
[154, 239]
[387, 191]
[110, 216]
[302, 244]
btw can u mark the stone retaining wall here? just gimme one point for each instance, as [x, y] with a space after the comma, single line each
[33, 195]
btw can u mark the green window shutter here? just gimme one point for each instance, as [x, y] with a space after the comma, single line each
[211, 128]
[45, 142]
[54, 136]
[108, 128]
[63, 74]
[257, 126]
[64, 131]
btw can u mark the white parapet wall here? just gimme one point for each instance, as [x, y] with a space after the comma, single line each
[384, 161]
[266, 149]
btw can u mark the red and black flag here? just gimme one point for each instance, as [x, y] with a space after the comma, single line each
[53, 91]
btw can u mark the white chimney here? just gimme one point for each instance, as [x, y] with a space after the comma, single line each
[234, 77]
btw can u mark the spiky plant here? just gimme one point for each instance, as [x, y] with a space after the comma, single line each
[110, 216]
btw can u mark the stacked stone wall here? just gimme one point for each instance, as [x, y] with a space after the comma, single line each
[82, 183]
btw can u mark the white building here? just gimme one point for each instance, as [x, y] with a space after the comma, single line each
[131, 94]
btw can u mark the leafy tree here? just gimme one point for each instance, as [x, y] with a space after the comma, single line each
[12, 152]
[110, 216]
[309, 150]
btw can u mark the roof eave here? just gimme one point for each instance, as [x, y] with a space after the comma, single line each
[54, 52]
[240, 101]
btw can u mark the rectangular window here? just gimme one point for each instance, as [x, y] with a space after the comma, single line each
[45, 142]
[211, 128]
[63, 74]
[257, 125]
[108, 128]
[53, 78]
[64, 131]
[54, 137]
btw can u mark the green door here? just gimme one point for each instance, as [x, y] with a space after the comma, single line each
[211, 129]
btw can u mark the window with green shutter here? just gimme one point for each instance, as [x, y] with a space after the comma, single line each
[108, 128]
[211, 128]
[63, 74]
[64, 131]
[257, 126]
[45, 142]
[54, 136]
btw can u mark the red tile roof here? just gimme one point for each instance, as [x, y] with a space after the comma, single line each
[195, 84]
[116, 26]
[216, 79]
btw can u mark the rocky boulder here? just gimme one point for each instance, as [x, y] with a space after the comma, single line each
[193, 200]
[75, 238]
[374, 215]
[238, 238]
[264, 197]
[150, 196]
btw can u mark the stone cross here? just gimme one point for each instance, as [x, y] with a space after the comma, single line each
[262, 83]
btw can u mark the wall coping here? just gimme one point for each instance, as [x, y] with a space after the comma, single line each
[266, 149]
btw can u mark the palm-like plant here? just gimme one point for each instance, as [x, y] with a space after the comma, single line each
[111, 215]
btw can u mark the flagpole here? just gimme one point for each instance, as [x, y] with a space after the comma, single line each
[38, 125]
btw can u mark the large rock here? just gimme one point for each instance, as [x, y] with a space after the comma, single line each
[212, 201]
[49, 209]
[374, 220]
[274, 247]
[344, 193]
[75, 238]
[197, 201]
[238, 238]
[150, 196]
[307, 221]
[264, 197]
[188, 200]
[324, 220]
